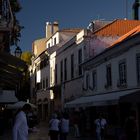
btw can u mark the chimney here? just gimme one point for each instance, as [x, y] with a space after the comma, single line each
[55, 26]
[136, 10]
[49, 30]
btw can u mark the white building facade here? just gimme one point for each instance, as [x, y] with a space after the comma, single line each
[112, 81]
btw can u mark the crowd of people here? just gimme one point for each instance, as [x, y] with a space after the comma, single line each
[60, 125]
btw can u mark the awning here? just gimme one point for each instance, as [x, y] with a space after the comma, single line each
[12, 60]
[7, 96]
[111, 98]
[131, 98]
[11, 70]
[19, 105]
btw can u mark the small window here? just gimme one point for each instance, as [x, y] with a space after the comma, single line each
[108, 76]
[65, 69]
[61, 70]
[122, 73]
[49, 45]
[72, 66]
[55, 73]
[87, 81]
[94, 79]
[43, 83]
[54, 40]
[47, 84]
[80, 61]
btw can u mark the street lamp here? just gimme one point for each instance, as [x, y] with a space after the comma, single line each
[18, 52]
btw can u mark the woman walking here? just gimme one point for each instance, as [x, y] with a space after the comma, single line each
[64, 126]
[54, 127]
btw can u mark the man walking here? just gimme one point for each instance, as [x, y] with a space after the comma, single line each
[20, 129]
[100, 123]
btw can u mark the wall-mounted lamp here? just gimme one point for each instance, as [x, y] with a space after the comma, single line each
[18, 52]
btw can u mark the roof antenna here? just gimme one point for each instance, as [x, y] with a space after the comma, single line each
[126, 9]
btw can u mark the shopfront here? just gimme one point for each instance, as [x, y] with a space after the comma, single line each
[115, 106]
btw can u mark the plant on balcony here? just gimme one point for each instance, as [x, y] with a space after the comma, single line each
[15, 5]
[16, 32]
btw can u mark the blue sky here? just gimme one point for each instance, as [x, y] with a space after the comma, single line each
[69, 14]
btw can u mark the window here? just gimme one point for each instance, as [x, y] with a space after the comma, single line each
[72, 66]
[55, 73]
[38, 67]
[65, 69]
[54, 40]
[45, 62]
[80, 61]
[138, 67]
[51, 72]
[94, 79]
[38, 85]
[49, 45]
[47, 84]
[43, 83]
[61, 70]
[122, 73]
[108, 76]
[87, 81]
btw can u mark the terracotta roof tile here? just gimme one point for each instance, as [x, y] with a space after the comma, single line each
[74, 30]
[131, 33]
[118, 27]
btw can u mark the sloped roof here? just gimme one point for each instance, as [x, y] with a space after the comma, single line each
[118, 27]
[72, 30]
[131, 33]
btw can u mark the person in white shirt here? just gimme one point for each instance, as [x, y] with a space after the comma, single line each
[20, 128]
[54, 127]
[64, 126]
[100, 123]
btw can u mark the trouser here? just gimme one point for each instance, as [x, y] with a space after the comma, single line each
[99, 136]
[54, 135]
[77, 134]
[63, 136]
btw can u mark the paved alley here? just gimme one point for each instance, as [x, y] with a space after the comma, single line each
[40, 133]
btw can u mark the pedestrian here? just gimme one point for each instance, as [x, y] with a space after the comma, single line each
[76, 122]
[20, 128]
[54, 127]
[64, 126]
[130, 126]
[100, 124]
[82, 120]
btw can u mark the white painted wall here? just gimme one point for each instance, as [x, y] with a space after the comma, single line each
[130, 57]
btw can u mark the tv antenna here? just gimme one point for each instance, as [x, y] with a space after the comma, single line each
[126, 9]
